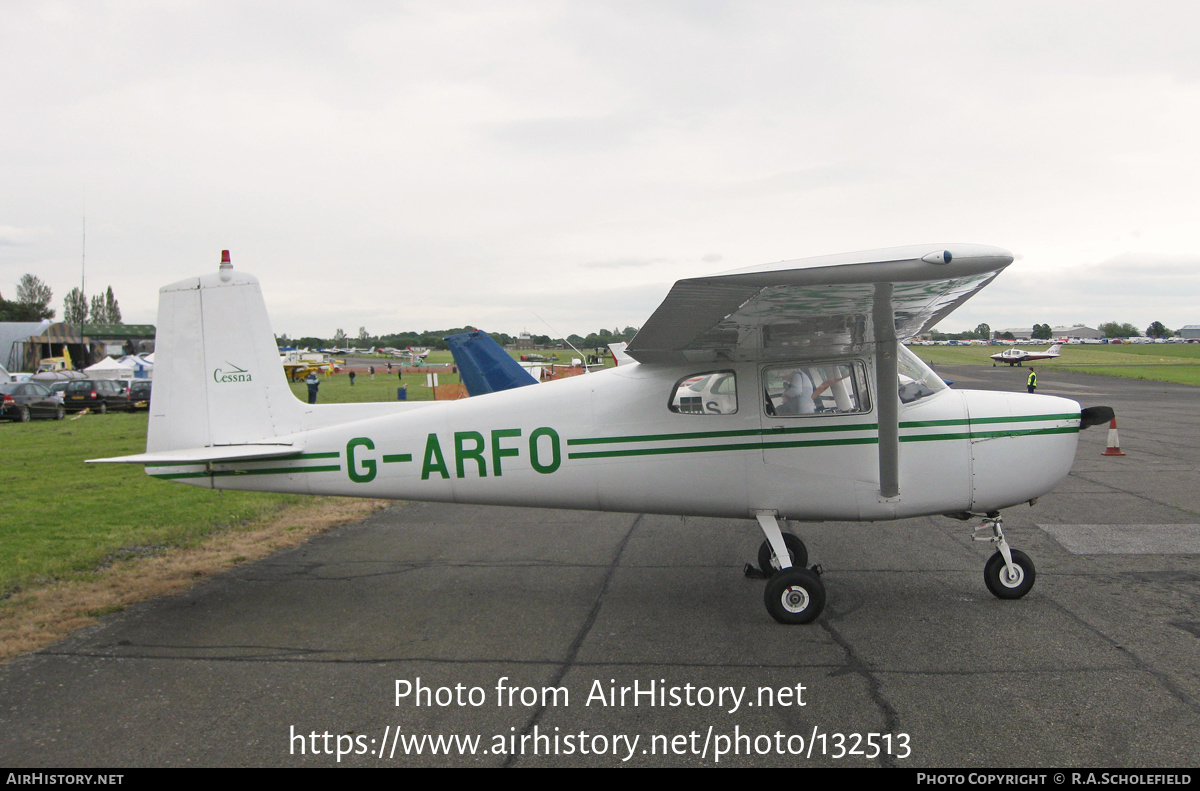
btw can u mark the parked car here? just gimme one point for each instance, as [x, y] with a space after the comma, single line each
[139, 393]
[23, 401]
[98, 394]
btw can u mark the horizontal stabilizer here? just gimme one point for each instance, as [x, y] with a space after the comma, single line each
[202, 455]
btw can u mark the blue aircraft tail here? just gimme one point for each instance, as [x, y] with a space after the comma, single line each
[484, 366]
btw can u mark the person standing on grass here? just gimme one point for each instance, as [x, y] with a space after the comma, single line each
[313, 385]
[1031, 383]
[352, 378]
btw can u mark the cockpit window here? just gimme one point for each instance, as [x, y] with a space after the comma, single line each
[917, 381]
[815, 389]
[712, 393]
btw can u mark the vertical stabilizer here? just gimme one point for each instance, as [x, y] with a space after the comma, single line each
[218, 379]
[484, 366]
[619, 355]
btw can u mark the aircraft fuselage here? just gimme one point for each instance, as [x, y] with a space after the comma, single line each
[611, 441]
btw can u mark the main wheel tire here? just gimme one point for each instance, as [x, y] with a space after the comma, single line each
[794, 595]
[103, 408]
[769, 564]
[60, 412]
[1004, 586]
[23, 415]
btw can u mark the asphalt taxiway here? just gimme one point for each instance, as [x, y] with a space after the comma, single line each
[524, 627]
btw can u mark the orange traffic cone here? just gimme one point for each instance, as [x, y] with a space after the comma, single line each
[1114, 444]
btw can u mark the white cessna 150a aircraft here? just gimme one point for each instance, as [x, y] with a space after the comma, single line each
[774, 393]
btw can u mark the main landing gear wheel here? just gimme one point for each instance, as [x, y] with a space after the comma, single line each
[769, 564]
[1004, 585]
[794, 595]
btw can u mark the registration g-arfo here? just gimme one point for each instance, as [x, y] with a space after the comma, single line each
[775, 393]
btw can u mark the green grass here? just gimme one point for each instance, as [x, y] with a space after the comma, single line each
[336, 388]
[1162, 362]
[61, 517]
[1179, 374]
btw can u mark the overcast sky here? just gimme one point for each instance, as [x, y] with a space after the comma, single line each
[424, 165]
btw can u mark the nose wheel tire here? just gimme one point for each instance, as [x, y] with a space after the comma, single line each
[769, 564]
[794, 595]
[1004, 585]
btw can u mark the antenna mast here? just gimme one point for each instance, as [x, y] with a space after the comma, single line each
[84, 358]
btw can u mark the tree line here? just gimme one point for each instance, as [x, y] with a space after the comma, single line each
[33, 300]
[1111, 329]
[433, 339]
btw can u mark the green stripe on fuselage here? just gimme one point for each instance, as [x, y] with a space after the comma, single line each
[256, 471]
[766, 435]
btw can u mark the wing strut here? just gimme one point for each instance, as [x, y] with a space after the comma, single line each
[887, 378]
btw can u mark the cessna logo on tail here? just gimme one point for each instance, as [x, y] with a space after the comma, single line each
[232, 374]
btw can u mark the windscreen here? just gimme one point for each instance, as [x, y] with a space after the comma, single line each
[917, 380]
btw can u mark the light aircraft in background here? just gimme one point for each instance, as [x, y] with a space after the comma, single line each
[413, 355]
[348, 350]
[298, 371]
[1015, 356]
[299, 363]
[770, 394]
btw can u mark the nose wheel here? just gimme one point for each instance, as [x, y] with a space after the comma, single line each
[1009, 582]
[1009, 573]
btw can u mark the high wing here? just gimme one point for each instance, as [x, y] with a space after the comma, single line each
[814, 306]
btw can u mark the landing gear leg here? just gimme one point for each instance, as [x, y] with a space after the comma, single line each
[1009, 573]
[769, 554]
[794, 594]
